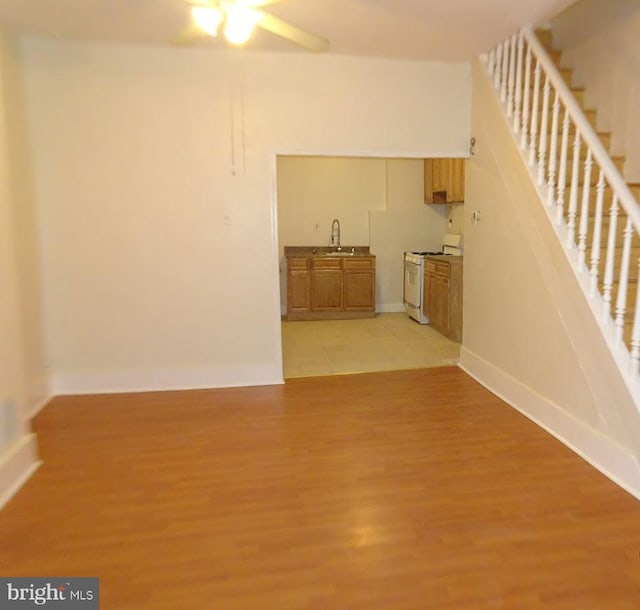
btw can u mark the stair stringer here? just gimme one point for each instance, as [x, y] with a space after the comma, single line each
[548, 359]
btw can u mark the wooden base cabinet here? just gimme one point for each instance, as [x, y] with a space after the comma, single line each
[442, 300]
[326, 287]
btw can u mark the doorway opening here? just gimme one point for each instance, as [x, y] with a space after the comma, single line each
[380, 204]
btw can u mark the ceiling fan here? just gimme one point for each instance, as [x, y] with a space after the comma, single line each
[239, 19]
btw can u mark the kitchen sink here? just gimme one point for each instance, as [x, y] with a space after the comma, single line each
[341, 253]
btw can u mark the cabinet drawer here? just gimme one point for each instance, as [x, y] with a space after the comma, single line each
[326, 263]
[436, 267]
[358, 263]
[298, 263]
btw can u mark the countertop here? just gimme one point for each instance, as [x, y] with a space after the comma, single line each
[308, 251]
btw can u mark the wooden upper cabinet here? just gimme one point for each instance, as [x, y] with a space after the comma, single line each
[444, 180]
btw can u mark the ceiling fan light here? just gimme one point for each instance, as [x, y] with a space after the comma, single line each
[207, 18]
[241, 21]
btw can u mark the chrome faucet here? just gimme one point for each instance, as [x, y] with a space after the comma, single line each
[335, 234]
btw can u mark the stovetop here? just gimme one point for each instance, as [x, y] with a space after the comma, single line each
[431, 253]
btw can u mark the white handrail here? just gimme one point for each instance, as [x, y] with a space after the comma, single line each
[598, 151]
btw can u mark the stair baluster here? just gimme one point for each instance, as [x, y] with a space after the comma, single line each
[518, 97]
[512, 76]
[505, 72]
[498, 68]
[562, 178]
[584, 213]
[597, 236]
[542, 150]
[525, 105]
[610, 259]
[634, 360]
[534, 115]
[573, 194]
[553, 152]
[621, 301]
[491, 63]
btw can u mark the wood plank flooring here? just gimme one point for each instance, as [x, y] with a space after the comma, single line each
[402, 490]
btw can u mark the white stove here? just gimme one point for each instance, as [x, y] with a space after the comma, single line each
[414, 275]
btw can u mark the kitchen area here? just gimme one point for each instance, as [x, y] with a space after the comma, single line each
[345, 226]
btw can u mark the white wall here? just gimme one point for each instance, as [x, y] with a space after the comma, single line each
[21, 361]
[379, 203]
[528, 331]
[160, 266]
[312, 191]
[601, 41]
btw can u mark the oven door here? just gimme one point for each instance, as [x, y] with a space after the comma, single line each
[412, 285]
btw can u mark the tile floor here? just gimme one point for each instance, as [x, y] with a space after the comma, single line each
[390, 341]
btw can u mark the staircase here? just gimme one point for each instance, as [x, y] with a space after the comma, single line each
[595, 213]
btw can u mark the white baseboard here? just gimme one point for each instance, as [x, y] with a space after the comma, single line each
[110, 382]
[17, 464]
[611, 459]
[380, 308]
[41, 404]
[390, 308]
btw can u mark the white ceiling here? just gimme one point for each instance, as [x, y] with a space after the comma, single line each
[410, 29]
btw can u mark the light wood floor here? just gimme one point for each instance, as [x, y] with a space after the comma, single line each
[404, 490]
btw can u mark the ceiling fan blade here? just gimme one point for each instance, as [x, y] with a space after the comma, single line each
[281, 28]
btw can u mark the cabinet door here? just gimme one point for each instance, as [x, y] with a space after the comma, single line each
[455, 189]
[440, 180]
[359, 290]
[326, 290]
[298, 293]
[359, 284]
[439, 297]
[428, 180]
[298, 284]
